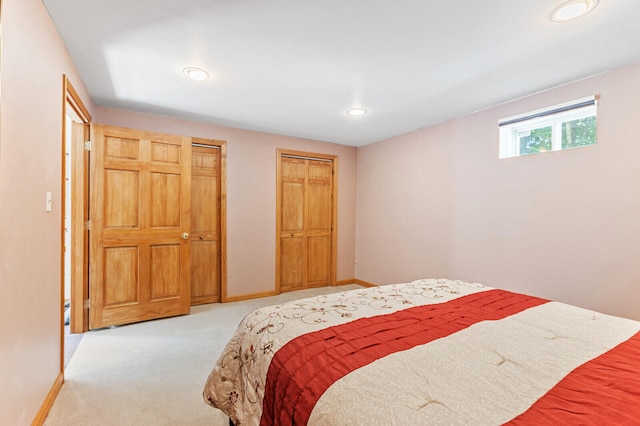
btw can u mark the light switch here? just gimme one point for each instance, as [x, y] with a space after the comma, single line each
[48, 207]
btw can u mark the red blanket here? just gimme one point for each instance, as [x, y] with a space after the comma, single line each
[303, 369]
[430, 351]
[605, 390]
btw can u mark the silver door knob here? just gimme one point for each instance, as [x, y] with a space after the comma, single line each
[185, 235]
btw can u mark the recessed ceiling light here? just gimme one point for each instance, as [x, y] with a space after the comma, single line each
[196, 73]
[573, 9]
[356, 112]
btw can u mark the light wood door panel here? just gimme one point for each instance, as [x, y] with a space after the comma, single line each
[319, 228]
[140, 208]
[305, 245]
[204, 272]
[292, 275]
[320, 191]
[165, 276]
[121, 197]
[293, 182]
[205, 225]
[165, 200]
[293, 209]
[319, 261]
[120, 275]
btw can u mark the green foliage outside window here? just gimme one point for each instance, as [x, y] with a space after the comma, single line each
[579, 132]
[575, 133]
[538, 140]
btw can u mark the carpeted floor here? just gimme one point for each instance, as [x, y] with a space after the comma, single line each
[153, 373]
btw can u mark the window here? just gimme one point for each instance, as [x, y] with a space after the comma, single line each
[564, 126]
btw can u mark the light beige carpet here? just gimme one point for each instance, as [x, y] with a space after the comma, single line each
[153, 373]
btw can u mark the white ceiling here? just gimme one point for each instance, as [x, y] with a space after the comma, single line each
[293, 67]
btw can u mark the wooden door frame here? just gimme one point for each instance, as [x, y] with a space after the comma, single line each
[79, 213]
[334, 207]
[222, 145]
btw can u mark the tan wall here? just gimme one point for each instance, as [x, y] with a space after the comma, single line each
[33, 62]
[251, 194]
[562, 225]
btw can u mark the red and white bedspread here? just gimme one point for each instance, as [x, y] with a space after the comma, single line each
[429, 352]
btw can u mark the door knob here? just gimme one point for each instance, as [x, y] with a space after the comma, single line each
[185, 235]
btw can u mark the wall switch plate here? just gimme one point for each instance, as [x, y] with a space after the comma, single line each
[48, 206]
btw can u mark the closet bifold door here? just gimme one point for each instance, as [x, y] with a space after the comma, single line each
[293, 181]
[318, 223]
[205, 224]
[305, 223]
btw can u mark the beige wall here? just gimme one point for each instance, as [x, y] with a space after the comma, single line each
[33, 62]
[251, 194]
[562, 225]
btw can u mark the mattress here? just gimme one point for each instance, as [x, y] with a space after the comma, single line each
[433, 351]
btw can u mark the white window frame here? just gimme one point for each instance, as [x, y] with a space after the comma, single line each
[511, 128]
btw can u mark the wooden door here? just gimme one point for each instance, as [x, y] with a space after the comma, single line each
[79, 315]
[205, 224]
[140, 219]
[306, 220]
[319, 219]
[293, 182]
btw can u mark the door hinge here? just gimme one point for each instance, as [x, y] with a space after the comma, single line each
[87, 225]
[86, 304]
[87, 146]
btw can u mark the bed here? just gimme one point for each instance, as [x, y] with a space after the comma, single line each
[428, 352]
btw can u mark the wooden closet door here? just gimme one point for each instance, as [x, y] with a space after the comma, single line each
[305, 222]
[140, 219]
[205, 225]
[318, 229]
[293, 179]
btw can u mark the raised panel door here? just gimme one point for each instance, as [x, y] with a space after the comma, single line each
[205, 224]
[293, 181]
[305, 198]
[319, 223]
[140, 203]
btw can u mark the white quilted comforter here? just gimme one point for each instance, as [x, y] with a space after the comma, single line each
[464, 370]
